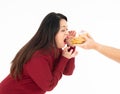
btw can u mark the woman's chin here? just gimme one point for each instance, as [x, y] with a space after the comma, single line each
[62, 46]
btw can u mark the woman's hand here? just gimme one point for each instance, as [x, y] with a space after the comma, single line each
[69, 53]
[71, 35]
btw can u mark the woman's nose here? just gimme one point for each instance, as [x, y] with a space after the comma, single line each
[66, 32]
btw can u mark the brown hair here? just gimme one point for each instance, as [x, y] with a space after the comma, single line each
[43, 39]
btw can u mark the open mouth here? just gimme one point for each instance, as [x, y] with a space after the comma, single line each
[65, 41]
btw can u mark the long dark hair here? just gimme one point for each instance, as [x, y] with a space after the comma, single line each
[43, 39]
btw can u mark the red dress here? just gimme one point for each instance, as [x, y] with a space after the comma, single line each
[40, 74]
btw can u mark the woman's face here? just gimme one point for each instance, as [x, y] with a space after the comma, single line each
[62, 34]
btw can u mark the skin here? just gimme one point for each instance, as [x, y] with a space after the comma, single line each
[110, 52]
[60, 40]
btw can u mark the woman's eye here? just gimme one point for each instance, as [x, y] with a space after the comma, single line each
[63, 30]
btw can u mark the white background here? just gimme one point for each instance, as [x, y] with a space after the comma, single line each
[94, 73]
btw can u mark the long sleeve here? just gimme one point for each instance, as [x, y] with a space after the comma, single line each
[40, 70]
[70, 66]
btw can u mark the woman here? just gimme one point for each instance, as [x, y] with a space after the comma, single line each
[40, 63]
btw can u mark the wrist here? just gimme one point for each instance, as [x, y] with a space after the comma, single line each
[97, 46]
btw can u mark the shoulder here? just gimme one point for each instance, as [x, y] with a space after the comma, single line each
[40, 53]
[38, 58]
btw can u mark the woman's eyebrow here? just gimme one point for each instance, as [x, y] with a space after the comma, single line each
[63, 26]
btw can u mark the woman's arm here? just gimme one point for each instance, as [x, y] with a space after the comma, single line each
[70, 66]
[38, 68]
